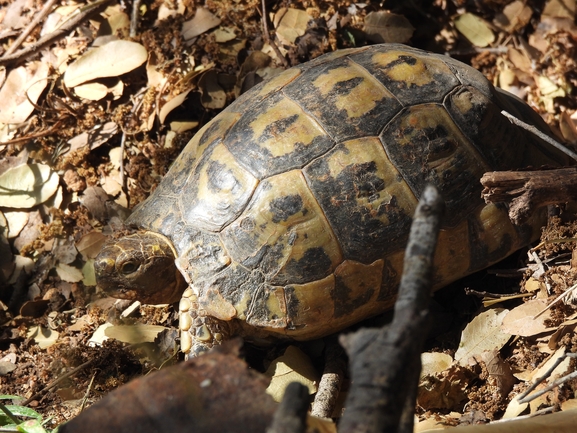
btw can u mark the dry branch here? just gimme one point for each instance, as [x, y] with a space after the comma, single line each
[385, 363]
[525, 191]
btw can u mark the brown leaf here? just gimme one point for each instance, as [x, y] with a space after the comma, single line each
[215, 392]
[499, 371]
[385, 27]
[521, 321]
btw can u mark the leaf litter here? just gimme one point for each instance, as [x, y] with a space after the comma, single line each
[87, 136]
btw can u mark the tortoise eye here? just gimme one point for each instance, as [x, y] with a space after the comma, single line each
[129, 267]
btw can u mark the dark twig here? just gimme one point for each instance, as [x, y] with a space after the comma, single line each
[290, 417]
[385, 363]
[267, 37]
[66, 28]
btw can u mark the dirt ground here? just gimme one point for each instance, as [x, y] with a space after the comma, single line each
[84, 142]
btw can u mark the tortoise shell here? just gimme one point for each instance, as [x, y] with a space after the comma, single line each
[289, 212]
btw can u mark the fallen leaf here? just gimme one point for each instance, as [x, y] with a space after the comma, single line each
[89, 276]
[213, 95]
[110, 60]
[16, 220]
[44, 337]
[515, 16]
[26, 186]
[134, 334]
[499, 371]
[483, 333]
[475, 30]
[171, 105]
[89, 245]
[91, 91]
[385, 27]
[433, 363]
[99, 336]
[293, 366]
[224, 34]
[290, 23]
[203, 21]
[22, 89]
[520, 320]
[560, 9]
[69, 273]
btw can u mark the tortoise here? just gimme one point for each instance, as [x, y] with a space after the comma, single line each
[287, 215]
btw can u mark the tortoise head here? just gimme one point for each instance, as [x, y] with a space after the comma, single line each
[139, 266]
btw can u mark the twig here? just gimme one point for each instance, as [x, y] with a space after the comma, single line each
[64, 29]
[385, 363]
[290, 417]
[267, 36]
[557, 299]
[134, 18]
[31, 26]
[525, 397]
[330, 384]
[57, 381]
[540, 134]
[87, 393]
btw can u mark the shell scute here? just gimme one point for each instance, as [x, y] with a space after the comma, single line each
[355, 104]
[363, 196]
[284, 232]
[411, 78]
[426, 146]
[218, 190]
[276, 136]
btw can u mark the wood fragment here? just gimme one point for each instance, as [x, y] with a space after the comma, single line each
[330, 384]
[526, 191]
[290, 417]
[385, 363]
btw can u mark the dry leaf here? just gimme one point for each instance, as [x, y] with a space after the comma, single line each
[520, 320]
[69, 273]
[171, 105]
[560, 9]
[224, 34]
[203, 21]
[567, 127]
[482, 334]
[91, 91]
[213, 96]
[290, 24]
[22, 85]
[26, 186]
[514, 409]
[16, 221]
[44, 337]
[499, 371]
[515, 16]
[293, 366]
[89, 245]
[444, 390]
[88, 274]
[475, 30]
[385, 27]
[134, 334]
[433, 363]
[110, 60]
[99, 335]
